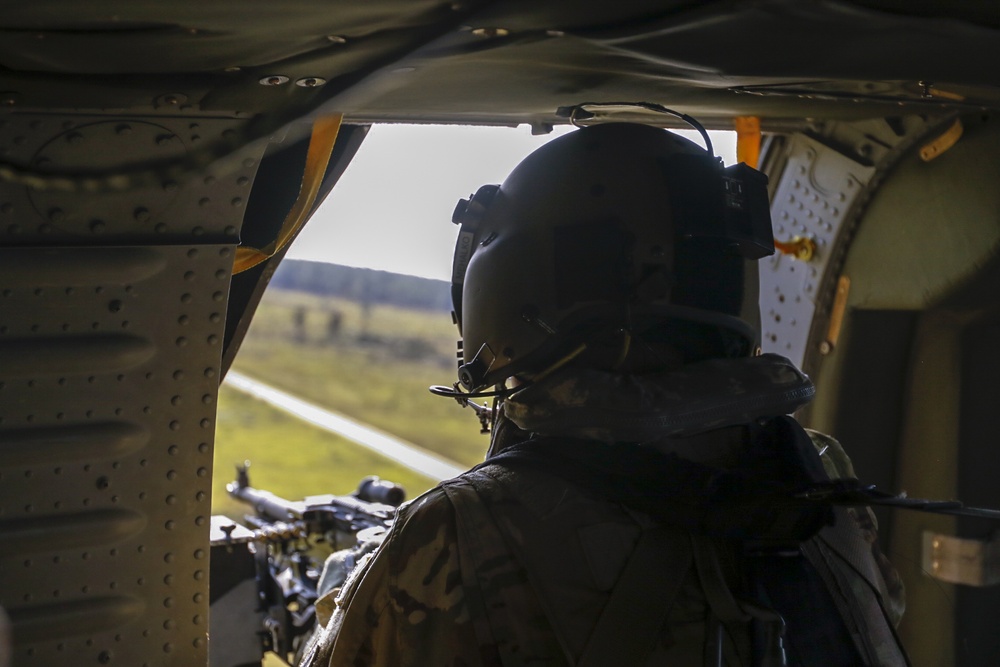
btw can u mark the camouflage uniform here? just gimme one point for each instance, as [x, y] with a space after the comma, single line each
[448, 586]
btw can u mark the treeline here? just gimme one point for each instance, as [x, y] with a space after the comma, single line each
[366, 286]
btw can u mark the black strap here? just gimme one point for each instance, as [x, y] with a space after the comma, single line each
[756, 500]
[729, 504]
[629, 625]
[636, 611]
[816, 632]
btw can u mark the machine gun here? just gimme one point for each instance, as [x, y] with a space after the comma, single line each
[265, 572]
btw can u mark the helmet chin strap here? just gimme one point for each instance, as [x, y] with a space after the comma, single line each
[487, 416]
[576, 352]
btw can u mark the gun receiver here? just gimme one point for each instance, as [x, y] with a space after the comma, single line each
[267, 572]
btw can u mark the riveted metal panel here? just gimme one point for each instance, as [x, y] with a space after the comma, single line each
[816, 190]
[114, 281]
[107, 412]
[123, 181]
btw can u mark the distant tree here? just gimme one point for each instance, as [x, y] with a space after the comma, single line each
[379, 287]
[334, 323]
[299, 324]
[366, 299]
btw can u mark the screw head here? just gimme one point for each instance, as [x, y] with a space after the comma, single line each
[490, 32]
[274, 80]
[176, 100]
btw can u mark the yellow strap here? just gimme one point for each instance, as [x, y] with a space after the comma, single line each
[943, 142]
[324, 136]
[747, 139]
[837, 313]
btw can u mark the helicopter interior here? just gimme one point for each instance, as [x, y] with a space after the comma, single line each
[157, 158]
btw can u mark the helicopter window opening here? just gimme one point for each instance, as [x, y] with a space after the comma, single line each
[389, 208]
[369, 352]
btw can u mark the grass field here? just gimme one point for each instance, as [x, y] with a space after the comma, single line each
[375, 367]
[290, 457]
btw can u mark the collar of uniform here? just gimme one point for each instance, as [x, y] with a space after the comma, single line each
[587, 403]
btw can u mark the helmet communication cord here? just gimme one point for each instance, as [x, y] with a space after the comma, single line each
[580, 112]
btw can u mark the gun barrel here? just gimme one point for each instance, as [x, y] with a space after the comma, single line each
[266, 503]
[375, 490]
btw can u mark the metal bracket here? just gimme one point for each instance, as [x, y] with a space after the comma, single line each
[960, 560]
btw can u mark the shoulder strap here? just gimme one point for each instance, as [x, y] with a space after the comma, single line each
[640, 602]
[491, 583]
[629, 625]
[752, 501]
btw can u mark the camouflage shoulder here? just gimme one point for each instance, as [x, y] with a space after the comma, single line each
[402, 594]
[418, 524]
[838, 466]
[331, 609]
[835, 460]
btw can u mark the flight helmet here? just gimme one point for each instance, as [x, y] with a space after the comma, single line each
[610, 228]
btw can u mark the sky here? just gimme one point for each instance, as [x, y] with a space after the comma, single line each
[392, 208]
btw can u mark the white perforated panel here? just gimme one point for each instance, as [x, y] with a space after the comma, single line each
[816, 191]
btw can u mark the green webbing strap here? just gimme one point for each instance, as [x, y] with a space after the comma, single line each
[637, 609]
[737, 618]
[727, 617]
[634, 616]
[477, 545]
